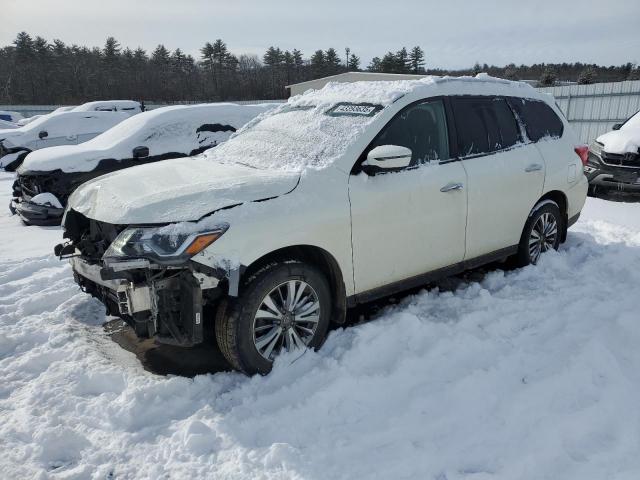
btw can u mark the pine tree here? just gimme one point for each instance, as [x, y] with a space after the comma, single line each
[416, 60]
[318, 64]
[587, 76]
[331, 61]
[354, 63]
[375, 65]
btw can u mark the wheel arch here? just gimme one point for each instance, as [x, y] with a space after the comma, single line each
[563, 203]
[312, 255]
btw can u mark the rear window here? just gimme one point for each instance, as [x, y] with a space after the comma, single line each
[538, 118]
[484, 125]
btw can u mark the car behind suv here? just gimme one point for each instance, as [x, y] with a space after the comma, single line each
[47, 177]
[339, 197]
[614, 158]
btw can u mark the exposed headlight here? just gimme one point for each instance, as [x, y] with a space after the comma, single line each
[161, 245]
[596, 148]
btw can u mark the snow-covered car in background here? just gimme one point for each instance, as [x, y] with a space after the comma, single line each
[614, 158]
[131, 107]
[65, 128]
[343, 195]
[30, 119]
[47, 177]
[9, 116]
[4, 125]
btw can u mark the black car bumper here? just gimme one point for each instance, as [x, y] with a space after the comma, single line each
[35, 214]
[614, 171]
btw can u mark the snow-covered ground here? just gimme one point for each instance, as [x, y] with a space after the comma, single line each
[529, 374]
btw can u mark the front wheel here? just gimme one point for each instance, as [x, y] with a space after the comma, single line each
[542, 232]
[283, 307]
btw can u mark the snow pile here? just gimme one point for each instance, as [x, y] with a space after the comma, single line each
[625, 140]
[528, 374]
[163, 130]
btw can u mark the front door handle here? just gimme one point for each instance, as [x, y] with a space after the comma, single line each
[534, 167]
[451, 187]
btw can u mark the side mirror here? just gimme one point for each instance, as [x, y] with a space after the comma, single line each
[387, 157]
[43, 134]
[140, 152]
[617, 126]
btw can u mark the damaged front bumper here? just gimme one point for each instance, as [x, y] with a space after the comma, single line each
[34, 213]
[167, 305]
[621, 172]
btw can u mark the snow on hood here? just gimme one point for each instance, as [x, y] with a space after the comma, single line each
[163, 130]
[181, 190]
[306, 133]
[625, 140]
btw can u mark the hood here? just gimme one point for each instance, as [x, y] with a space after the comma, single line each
[621, 141]
[181, 190]
[61, 158]
[11, 137]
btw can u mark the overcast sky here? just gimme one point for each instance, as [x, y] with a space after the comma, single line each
[453, 33]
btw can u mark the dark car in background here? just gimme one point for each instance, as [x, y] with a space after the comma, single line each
[614, 158]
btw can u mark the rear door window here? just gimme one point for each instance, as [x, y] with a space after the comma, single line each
[538, 118]
[484, 125]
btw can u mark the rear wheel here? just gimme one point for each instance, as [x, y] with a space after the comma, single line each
[284, 307]
[542, 232]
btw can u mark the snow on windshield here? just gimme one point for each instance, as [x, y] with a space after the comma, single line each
[633, 123]
[307, 131]
[294, 137]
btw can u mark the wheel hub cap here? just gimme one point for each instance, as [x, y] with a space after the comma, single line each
[543, 236]
[287, 318]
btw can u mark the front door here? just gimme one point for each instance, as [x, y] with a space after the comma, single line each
[412, 221]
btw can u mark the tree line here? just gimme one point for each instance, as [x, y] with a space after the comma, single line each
[36, 71]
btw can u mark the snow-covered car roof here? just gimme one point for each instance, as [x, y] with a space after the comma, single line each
[4, 125]
[106, 105]
[10, 116]
[68, 122]
[317, 127]
[624, 140]
[174, 129]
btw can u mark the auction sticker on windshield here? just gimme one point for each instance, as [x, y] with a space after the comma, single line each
[354, 109]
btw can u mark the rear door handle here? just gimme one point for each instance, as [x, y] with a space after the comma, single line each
[451, 187]
[534, 167]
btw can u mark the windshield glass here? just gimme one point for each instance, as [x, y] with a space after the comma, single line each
[633, 123]
[295, 137]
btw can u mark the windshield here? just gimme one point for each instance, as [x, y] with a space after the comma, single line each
[295, 137]
[633, 123]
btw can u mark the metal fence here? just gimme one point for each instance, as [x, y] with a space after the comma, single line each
[593, 109]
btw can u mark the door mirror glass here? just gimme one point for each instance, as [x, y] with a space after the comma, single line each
[43, 134]
[388, 157]
[140, 152]
[617, 126]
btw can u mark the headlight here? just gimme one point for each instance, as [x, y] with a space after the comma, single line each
[161, 245]
[596, 148]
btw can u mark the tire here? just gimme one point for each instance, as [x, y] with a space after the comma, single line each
[247, 328]
[538, 227]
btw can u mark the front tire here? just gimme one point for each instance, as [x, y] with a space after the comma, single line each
[542, 232]
[283, 307]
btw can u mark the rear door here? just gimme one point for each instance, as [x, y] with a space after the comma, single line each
[505, 175]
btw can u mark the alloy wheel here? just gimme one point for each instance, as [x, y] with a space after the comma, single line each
[287, 318]
[543, 236]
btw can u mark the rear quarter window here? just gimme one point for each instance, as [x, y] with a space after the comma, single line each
[538, 118]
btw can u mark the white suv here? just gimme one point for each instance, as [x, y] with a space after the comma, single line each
[341, 196]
